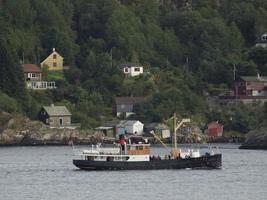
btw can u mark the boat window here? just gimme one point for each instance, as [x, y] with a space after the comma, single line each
[110, 159]
[90, 157]
[139, 148]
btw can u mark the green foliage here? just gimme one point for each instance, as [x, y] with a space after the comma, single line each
[188, 48]
[8, 104]
[55, 76]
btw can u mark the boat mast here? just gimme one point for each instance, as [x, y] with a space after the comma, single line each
[176, 126]
[174, 137]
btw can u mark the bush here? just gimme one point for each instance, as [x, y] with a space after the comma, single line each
[8, 104]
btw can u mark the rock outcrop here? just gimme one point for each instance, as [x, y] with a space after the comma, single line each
[256, 139]
[18, 130]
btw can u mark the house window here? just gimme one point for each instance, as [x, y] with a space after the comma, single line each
[54, 56]
[137, 69]
[126, 70]
[33, 75]
[51, 121]
[61, 121]
[54, 64]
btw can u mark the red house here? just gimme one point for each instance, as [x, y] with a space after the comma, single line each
[215, 129]
[247, 89]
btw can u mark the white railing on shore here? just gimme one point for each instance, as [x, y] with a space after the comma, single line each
[41, 85]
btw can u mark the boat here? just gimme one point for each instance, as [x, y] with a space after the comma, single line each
[135, 155]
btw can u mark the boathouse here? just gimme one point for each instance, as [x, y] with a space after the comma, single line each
[130, 127]
[215, 129]
[160, 129]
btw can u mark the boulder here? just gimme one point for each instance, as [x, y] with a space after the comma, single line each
[256, 139]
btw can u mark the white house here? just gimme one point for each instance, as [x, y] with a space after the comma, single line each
[132, 69]
[132, 126]
[262, 41]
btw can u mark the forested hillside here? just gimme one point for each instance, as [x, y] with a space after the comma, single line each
[189, 48]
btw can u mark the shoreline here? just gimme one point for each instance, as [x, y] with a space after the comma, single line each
[83, 144]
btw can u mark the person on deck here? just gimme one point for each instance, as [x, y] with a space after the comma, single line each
[122, 143]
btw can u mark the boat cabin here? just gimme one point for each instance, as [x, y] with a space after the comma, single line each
[138, 149]
[132, 152]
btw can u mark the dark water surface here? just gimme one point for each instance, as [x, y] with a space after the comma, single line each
[47, 173]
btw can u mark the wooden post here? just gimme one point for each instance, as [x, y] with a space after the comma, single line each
[174, 147]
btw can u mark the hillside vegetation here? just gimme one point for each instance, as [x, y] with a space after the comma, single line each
[189, 48]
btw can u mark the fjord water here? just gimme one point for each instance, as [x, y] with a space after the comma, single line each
[47, 172]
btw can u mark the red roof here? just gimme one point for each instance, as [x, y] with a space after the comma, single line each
[31, 68]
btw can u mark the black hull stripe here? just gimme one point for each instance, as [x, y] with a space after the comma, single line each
[205, 162]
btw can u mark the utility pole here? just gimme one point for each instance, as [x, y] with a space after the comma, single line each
[111, 64]
[187, 64]
[234, 71]
[236, 90]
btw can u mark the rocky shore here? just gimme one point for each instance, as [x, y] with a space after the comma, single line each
[18, 130]
[256, 139]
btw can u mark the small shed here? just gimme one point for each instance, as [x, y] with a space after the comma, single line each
[160, 129]
[130, 126]
[55, 116]
[215, 129]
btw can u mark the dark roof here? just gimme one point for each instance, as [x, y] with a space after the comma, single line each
[57, 110]
[129, 100]
[155, 125]
[254, 78]
[27, 68]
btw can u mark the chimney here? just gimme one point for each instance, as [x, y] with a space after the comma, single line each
[54, 49]
[258, 76]
[52, 105]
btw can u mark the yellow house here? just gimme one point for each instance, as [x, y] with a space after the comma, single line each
[54, 61]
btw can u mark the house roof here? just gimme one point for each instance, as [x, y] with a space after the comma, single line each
[157, 125]
[214, 123]
[254, 78]
[130, 65]
[129, 100]
[53, 52]
[27, 68]
[57, 110]
[128, 123]
[103, 128]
